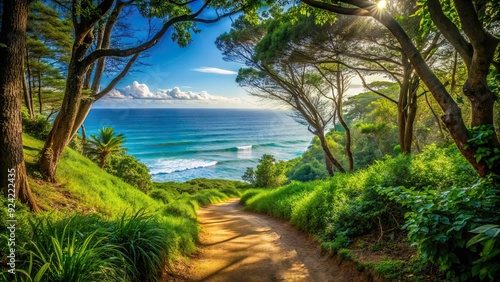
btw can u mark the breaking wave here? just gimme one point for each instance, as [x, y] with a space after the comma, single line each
[166, 166]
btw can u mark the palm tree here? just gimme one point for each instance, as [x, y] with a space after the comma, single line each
[106, 143]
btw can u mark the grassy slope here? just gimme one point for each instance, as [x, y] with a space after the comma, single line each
[83, 186]
[353, 221]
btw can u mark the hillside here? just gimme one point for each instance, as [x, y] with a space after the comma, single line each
[83, 186]
[95, 227]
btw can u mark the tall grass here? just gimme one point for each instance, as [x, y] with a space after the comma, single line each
[142, 240]
[98, 228]
[83, 186]
[348, 205]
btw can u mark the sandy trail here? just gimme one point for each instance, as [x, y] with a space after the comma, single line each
[240, 246]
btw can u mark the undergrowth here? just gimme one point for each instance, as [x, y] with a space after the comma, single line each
[347, 206]
[96, 227]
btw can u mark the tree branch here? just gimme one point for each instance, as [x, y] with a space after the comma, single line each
[450, 31]
[156, 38]
[117, 79]
[337, 9]
[373, 90]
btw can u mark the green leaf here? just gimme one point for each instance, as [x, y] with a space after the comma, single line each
[476, 239]
[488, 247]
[41, 272]
[483, 228]
[483, 273]
[493, 232]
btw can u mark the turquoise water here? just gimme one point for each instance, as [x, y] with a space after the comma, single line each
[182, 144]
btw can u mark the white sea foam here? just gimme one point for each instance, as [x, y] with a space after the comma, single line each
[249, 147]
[164, 166]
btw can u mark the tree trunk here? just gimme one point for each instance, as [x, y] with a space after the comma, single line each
[452, 117]
[83, 111]
[40, 101]
[478, 56]
[62, 130]
[30, 85]
[13, 39]
[411, 113]
[102, 160]
[328, 165]
[339, 105]
[84, 133]
[28, 102]
[403, 106]
[328, 153]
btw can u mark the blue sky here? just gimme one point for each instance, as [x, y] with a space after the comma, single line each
[190, 77]
[193, 76]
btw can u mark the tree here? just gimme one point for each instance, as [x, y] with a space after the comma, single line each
[12, 48]
[274, 77]
[48, 48]
[86, 16]
[106, 143]
[367, 49]
[477, 51]
[130, 170]
[249, 175]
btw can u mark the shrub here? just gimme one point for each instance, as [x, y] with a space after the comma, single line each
[130, 170]
[268, 174]
[72, 255]
[38, 127]
[440, 223]
[163, 195]
[309, 171]
[334, 246]
[141, 238]
[391, 269]
[249, 194]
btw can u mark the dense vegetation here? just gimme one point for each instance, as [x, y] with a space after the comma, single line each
[432, 197]
[97, 227]
[439, 103]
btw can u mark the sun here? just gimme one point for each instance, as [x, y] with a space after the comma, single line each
[381, 4]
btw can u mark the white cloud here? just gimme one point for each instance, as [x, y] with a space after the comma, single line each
[115, 94]
[140, 91]
[215, 70]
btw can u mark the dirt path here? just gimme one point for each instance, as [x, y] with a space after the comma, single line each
[241, 246]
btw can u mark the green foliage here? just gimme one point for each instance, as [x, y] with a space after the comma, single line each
[269, 173]
[345, 254]
[83, 186]
[48, 48]
[481, 137]
[391, 269]
[350, 205]
[107, 142]
[141, 238]
[311, 165]
[228, 187]
[334, 246]
[94, 242]
[398, 270]
[38, 127]
[487, 266]
[73, 255]
[440, 223]
[308, 172]
[249, 175]
[130, 170]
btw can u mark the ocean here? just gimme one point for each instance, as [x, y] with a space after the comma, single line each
[182, 144]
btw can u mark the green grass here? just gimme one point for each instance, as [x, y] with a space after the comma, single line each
[95, 227]
[84, 187]
[347, 206]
